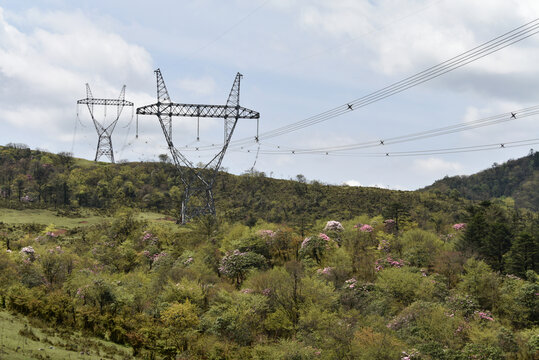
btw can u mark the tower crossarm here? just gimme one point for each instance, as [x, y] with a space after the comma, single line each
[198, 110]
[113, 102]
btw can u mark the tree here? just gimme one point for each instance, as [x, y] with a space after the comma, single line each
[488, 234]
[181, 322]
[235, 264]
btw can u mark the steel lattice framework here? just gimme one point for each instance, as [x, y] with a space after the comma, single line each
[104, 133]
[198, 182]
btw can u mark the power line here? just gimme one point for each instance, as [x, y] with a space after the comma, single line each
[511, 37]
[385, 141]
[453, 150]
[379, 29]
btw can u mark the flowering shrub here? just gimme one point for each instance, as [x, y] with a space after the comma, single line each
[26, 198]
[324, 237]
[460, 226]
[350, 283]
[235, 264]
[463, 304]
[484, 315]
[380, 264]
[333, 225]
[325, 271]
[153, 258]
[149, 238]
[27, 250]
[28, 253]
[366, 228]
[315, 246]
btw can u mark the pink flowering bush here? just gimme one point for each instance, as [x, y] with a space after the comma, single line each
[460, 226]
[28, 253]
[154, 257]
[350, 283]
[28, 250]
[333, 225]
[235, 264]
[387, 262]
[315, 246]
[484, 315]
[366, 228]
[149, 239]
[325, 271]
[324, 237]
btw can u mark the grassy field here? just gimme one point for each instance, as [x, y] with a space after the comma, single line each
[47, 217]
[21, 339]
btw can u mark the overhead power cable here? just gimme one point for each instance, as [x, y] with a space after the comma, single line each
[469, 125]
[511, 37]
[464, 149]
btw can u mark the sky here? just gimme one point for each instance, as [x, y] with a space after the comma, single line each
[298, 58]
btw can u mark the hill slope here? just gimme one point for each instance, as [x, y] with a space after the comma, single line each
[518, 179]
[36, 179]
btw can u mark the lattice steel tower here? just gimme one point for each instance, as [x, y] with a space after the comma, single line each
[104, 132]
[198, 182]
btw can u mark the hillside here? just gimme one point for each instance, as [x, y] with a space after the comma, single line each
[36, 179]
[517, 179]
[403, 275]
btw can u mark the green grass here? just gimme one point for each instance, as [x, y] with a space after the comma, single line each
[47, 217]
[22, 339]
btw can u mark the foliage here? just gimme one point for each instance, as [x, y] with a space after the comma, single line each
[287, 270]
[517, 179]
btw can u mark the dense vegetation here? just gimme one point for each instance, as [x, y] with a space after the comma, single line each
[400, 275]
[518, 179]
[36, 179]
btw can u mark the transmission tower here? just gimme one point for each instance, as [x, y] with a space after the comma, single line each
[198, 182]
[104, 132]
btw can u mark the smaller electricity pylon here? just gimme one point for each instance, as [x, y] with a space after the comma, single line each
[104, 132]
[198, 182]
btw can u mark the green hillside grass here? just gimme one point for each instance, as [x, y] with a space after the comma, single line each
[21, 339]
[47, 217]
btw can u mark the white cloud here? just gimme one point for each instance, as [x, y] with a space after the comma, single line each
[43, 72]
[436, 165]
[352, 183]
[398, 36]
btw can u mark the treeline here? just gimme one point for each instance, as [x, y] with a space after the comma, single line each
[363, 289]
[518, 179]
[31, 178]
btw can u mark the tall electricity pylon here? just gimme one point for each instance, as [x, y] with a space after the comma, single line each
[104, 132]
[198, 182]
